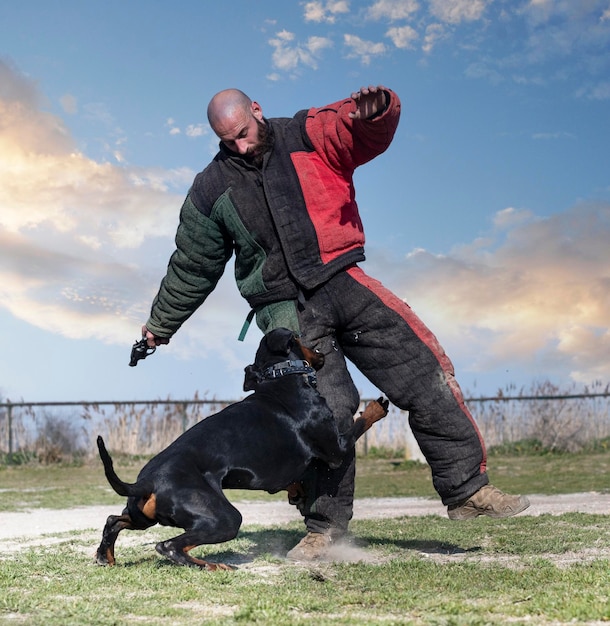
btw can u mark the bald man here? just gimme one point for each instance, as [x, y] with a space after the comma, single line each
[280, 194]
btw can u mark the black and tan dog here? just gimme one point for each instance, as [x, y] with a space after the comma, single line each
[265, 442]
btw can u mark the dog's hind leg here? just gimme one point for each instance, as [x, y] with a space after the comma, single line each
[114, 525]
[217, 522]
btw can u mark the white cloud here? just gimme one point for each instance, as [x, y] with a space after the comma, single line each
[402, 36]
[393, 9]
[325, 11]
[83, 245]
[434, 34]
[361, 49]
[14, 88]
[314, 12]
[315, 45]
[543, 32]
[456, 11]
[561, 29]
[537, 34]
[191, 130]
[197, 130]
[71, 229]
[511, 217]
[289, 55]
[284, 57]
[536, 290]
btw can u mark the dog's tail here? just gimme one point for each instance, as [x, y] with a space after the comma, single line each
[122, 488]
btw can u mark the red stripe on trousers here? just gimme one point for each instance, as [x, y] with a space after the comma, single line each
[426, 336]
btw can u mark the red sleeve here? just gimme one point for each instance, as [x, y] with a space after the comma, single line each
[344, 143]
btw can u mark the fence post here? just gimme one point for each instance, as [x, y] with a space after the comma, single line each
[9, 420]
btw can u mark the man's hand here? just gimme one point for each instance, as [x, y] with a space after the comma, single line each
[152, 341]
[370, 101]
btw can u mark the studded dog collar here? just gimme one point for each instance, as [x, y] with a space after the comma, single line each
[285, 368]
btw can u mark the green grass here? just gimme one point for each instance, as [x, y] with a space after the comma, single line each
[413, 570]
[424, 570]
[37, 486]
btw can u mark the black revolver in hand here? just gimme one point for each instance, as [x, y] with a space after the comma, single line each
[140, 350]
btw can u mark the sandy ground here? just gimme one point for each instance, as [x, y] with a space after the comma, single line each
[18, 529]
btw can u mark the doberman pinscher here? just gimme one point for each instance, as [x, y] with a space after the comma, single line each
[265, 442]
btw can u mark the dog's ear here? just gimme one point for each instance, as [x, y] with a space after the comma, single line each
[252, 377]
[280, 341]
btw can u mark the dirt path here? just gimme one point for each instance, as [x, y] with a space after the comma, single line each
[19, 528]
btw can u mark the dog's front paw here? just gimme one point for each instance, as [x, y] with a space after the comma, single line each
[375, 410]
[384, 403]
[104, 557]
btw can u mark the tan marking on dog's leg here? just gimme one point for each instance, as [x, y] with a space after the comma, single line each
[211, 567]
[110, 557]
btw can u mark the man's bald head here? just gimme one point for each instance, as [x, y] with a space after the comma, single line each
[228, 104]
[238, 123]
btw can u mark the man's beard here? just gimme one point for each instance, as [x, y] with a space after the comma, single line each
[265, 142]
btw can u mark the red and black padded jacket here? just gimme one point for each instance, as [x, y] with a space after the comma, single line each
[292, 223]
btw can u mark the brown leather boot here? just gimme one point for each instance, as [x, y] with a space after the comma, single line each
[313, 547]
[489, 501]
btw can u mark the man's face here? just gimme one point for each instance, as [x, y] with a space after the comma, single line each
[244, 132]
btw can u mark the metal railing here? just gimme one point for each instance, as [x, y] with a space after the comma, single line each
[10, 406]
[553, 416]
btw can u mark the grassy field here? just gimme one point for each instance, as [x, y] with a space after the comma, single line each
[418, 570]
[56, 486]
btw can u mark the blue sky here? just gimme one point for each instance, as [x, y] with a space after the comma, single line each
[489, 214]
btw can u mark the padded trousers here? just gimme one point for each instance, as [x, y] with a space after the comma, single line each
[355, 317]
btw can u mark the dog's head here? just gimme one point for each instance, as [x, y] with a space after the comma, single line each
[277, 346]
